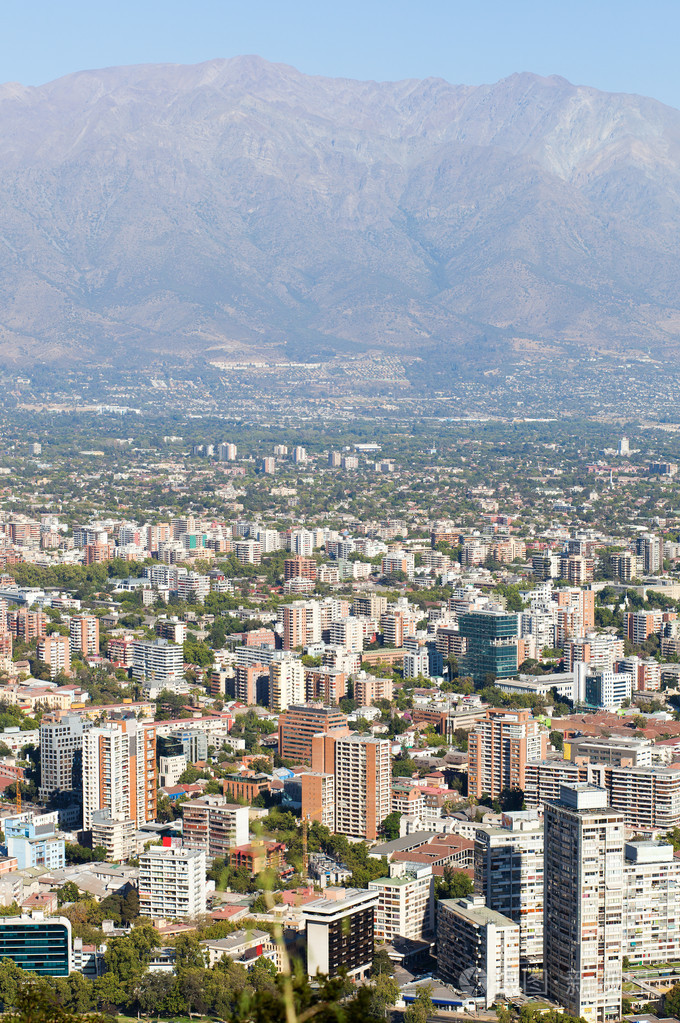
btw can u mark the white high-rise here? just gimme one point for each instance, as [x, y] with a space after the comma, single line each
[286, 684]
[172, 883]
[583, 908]
[106, 773]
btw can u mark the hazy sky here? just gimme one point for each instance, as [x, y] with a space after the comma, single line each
[617, 45]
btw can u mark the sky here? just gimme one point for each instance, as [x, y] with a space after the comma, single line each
[614, 45]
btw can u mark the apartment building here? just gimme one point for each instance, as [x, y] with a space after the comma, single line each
[84, 635]
[214, 825]
[584, 886]
[301, 623]
[300, 722]
[362, 785]
[651, 914]
[341, 934]
[477, 949]
[157, 662]
[509, 875]
[405, 903]
[368, 689]
[119, 771]
[55, 651]
[329, 685]
[61, 755]
[499, 749]
[286, 684]
[172, 883]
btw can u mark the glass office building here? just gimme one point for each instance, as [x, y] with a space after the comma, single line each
[37, 945]
[491, 644]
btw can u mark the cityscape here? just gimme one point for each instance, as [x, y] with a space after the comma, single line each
[339, 512]
[401, 713]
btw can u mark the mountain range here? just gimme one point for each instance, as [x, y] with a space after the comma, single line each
[239, 209]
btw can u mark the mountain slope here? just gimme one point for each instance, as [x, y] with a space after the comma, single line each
[238, 207]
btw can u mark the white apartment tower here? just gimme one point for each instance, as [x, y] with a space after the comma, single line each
[172, 883]
[509, 874]
[584, 892]
[405, 903]
[286, 684]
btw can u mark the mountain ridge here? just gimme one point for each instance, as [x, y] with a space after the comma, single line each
[210, 211]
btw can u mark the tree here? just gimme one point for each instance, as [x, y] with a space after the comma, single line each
[382, 964]
[189, 952]
[37, 1002]
[511, 799]
[68, 892]
[454, 884]
[153, 992]
[389, 829]
[421, 1008]
[263, 974]
[385, 993]
[557, 740]
[671, 1001]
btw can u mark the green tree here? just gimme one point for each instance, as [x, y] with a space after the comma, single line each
[385, 993]
[557, 740]
[381, 964]
[389, 829]
[68, 892]
[671, 1001]
[453, 884]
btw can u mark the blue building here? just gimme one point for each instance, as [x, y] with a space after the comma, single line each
[33, 840]
[491, 644]
[37, 944]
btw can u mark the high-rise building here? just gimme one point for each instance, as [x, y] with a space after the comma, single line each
[301, 623]
[500, 747]
[340, 934]
[172, 883]
[326, 684]
[119, 771]
[317, 798]
[368, 689]
[84, 635]
[583, 920]
[55, 651]
[405, 903]
[362, 785]
[61, 755]
[27, 625]
[299, 454]
[300, 722]
[226, 452]
[509, 875]
[157, 662]
[650, 549]
[651, 914]
[477, 949]
[214, 825]
[286, 684]
[491, 644]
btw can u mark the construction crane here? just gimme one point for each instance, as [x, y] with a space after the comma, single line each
[305, 853]
[18, 796]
